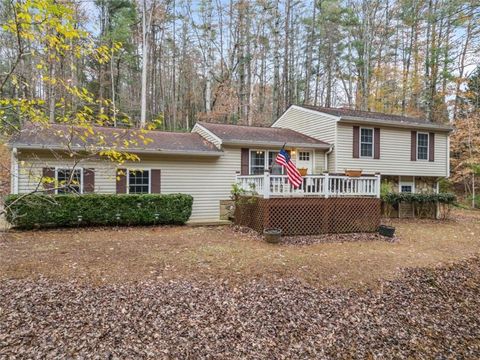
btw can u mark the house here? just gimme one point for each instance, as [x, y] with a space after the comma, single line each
[324, 142]
[411, 153]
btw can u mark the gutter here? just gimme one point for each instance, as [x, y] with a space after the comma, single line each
[276, 144]
[400, 124]
[14, 171]
[134, 151]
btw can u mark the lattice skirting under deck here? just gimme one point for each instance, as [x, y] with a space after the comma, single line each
[310, 216]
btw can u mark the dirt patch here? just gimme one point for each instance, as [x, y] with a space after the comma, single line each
[423, 314]
[102, 256]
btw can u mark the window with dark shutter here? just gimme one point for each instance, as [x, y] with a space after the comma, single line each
[89, 180]
[413, 146]
[376, 143]
[155, 181]
[245, 153]
[355, 142]
[121, 181]
[48, 175]
[431, 147]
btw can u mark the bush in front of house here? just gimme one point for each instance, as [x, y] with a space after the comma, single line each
[40, 211]
[419, 198]
[425, 205]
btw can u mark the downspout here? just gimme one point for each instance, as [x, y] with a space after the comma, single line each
[326, 156]
[14, 171]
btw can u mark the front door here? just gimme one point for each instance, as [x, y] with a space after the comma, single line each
[305, 160]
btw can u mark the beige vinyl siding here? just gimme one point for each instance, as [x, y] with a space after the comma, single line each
[207, 135]
[31, 165]
[319, 162]
[207, 179]
[317, 125]
[394, 154]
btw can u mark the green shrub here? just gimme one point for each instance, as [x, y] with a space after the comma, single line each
[97, 210]
[419, 198]
[477, 201]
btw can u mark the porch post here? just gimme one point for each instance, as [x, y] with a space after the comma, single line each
[378, 183]
[326, 184]
[266, 184]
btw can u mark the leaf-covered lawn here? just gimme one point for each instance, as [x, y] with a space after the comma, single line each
[99, 256]
[423, 314]
[219, 293]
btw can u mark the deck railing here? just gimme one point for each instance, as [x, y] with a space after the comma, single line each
[325, 185]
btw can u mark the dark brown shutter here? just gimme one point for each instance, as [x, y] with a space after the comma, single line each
[431, 147]
[376, 142]
[244, 162]
[50, 174]
[89, 180]
[121, 181]
[356, 142]
[413, 146]
[155, 178]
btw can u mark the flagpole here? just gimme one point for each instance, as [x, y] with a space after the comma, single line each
[274, 163]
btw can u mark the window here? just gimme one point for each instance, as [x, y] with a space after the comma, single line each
[422, 146]
[275, 168]
[257, 162]
[138, 181]
[366, 142]
[69, 183]
[304, 155]
[407, 185]
[261, 160]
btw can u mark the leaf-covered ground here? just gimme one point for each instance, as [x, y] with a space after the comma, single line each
[423, 314]
[115, 256]
[219, 293]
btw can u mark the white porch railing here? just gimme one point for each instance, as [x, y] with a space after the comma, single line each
[313, 185]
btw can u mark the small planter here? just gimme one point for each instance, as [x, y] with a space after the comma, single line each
[385, 230]
[353, 173]
[303, 171]
[272, 236]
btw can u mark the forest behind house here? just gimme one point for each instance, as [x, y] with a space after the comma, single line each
[167, 64]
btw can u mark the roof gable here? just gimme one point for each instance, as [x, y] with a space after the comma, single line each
[265, 136]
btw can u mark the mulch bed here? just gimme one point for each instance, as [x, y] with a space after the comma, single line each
[318, 239]
[425, 314]
[333, 238]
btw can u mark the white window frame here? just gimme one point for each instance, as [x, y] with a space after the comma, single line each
[305, 152]
[406, 183]
[250, 162]
[360, 142]
[266, 156]
[57, 168]
[149, 180]
[428, 145]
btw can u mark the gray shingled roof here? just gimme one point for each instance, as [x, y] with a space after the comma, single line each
[265, 136]
[351, 114]
[58, 136]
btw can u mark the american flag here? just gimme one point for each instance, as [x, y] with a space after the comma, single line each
[293, 174]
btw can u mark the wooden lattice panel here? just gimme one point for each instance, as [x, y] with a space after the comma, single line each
[310, 216]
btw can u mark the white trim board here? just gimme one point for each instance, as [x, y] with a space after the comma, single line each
[209, 133]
